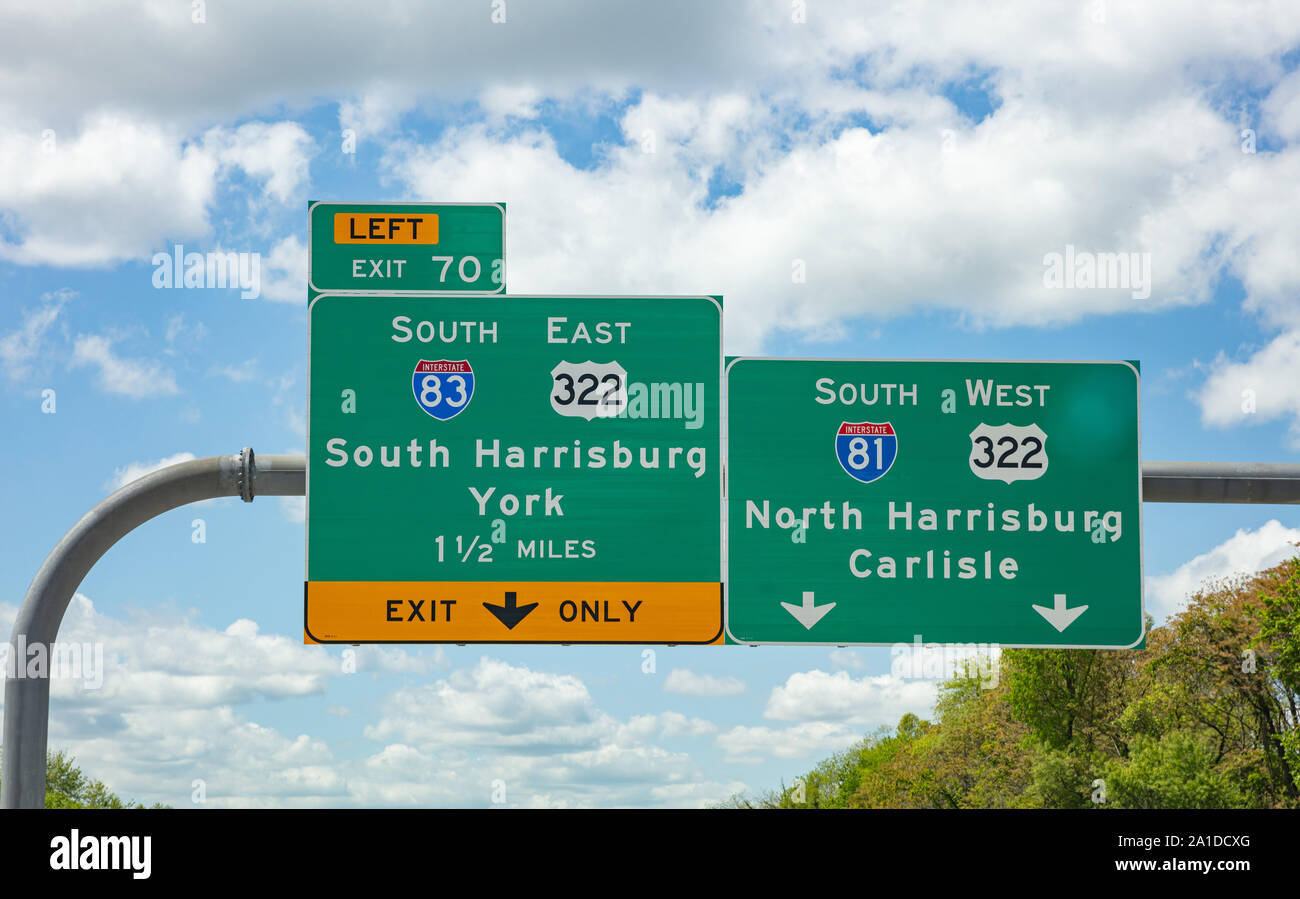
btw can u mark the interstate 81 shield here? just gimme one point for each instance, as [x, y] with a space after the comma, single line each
[866, 450]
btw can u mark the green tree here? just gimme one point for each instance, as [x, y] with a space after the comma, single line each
[66, 786]
[1207, 715]
[1176, 771]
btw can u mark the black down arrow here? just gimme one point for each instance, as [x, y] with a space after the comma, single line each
[511, 613]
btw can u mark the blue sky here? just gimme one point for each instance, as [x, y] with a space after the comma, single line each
[921, 174]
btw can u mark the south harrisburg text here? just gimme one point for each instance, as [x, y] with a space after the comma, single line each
[493, 454]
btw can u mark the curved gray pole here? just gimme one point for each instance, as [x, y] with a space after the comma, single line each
[27, 699]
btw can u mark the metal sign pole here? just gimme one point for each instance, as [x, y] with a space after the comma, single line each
[27, 699]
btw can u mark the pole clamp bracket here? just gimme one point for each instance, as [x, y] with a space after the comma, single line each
[246, 467]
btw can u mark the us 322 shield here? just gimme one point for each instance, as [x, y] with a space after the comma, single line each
[866, 450]
[1008, 452]
[442, 387]
[589, 389]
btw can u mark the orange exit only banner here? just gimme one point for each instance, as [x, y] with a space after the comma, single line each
[511, 612]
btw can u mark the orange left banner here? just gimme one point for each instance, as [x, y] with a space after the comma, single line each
[511, 612]
[372, 228]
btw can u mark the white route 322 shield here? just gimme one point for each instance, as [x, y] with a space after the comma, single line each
[1008, 452]
[589, 389]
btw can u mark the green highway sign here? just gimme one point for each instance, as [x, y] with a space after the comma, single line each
[406, 248]
[872, 502]
[514, 469]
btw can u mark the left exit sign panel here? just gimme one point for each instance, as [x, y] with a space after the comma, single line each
[414, 249]
[514, 470]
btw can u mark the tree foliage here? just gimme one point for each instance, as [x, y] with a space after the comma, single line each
[66, 786]
[1205, 716]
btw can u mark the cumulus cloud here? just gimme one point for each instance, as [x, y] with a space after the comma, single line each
[170, 703]
[847, 658]
[1245, 552]
[538, 733]
[869, 700]
[1281, 110]
[751, 745]
[276, 153]
[1263, 387]
[108, 192]
[243, 372]
[688, 683]
[572, 45]
[116, 188]
[493, 704]
[376, 111]
[675, 724]
[163, 701]
[284, 272]
[294, 508]
[22, 349]
[830, 712]
[133, 471]
[134, 378]
[919, 210]
[858, 188]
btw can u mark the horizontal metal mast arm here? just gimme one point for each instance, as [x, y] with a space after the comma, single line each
[1220, 482]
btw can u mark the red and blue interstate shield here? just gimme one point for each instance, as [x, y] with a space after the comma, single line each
[866, 450]
[443, 387]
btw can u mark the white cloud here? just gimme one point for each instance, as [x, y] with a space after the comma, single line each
[179, 333]
[540, 733]
[1092, 115]
[108, 192]
[922, 215]
[239, 374]
[284, 272]
[830, 712]
[1245, 552]
[847, 658]
[751, 745]
[1264, 387]
[1281, 110]
[134, 378]
[294, 508]
[869, 701]
[178, 701]
[277, 153]
[675, 724]
[493, 704]
[21, 349]
[110, 54]
[116, 187]
[519, 100]
[688, 683]
[162, 707]
[135, 470]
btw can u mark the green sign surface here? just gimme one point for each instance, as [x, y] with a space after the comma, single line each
[514, 469]
[406, 248]
[872, 502]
